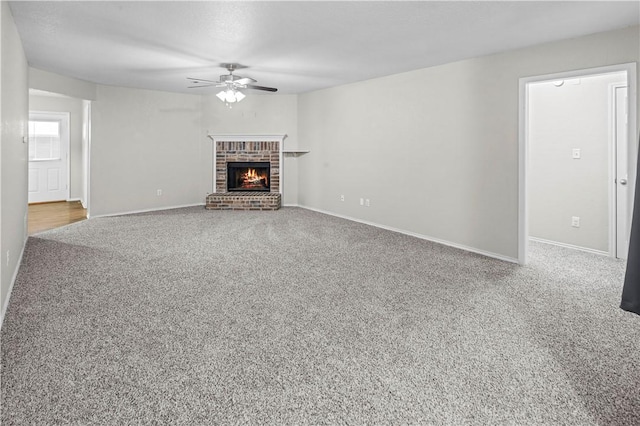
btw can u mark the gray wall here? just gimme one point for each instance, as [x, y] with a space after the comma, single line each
[436, 150]
[74, 108]
[146, 140]
[13, 152]
[142, 141]
[573, 115]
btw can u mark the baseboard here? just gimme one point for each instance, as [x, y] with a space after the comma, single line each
[72, 200]
[290, 205]
[416, 235]
[5, 306]
[156, 209]
[569, 246]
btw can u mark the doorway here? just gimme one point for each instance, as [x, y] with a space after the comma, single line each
[48, 156]
[571, 193]
[59, 144]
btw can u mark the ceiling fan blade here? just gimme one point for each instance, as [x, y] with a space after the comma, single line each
[198, 80]
[268, 89]
[245, 80]
[202, 85]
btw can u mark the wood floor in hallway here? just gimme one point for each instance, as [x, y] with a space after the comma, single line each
[45, 216]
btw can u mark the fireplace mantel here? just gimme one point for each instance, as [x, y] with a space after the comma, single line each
[248, 138]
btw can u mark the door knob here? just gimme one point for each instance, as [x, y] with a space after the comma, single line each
[623, 181]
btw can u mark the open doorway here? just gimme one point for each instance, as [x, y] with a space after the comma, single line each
[58, 160]
[577, 159]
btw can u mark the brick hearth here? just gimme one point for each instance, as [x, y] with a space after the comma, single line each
[244, 201]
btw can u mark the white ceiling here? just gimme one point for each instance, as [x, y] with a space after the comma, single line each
[294, 46]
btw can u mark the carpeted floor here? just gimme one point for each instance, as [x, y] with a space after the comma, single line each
[293, 317]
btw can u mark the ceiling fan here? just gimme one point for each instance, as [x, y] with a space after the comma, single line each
[231, 85]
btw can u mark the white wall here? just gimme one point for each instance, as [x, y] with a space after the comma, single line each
[13, 153]
[74, 108]
[56, 83]
[256, 114]
[436, 150]
[575, 115]
[142, 141]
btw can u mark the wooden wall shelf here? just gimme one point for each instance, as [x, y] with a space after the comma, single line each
[294, 153]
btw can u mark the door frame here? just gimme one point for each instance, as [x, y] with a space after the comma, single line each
[523, 143]
[86, 154]
[613, 169]
[65, 138]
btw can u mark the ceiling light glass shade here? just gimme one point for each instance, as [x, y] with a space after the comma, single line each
[230, 96]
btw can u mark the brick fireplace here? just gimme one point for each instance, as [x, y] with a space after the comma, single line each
[263, 153]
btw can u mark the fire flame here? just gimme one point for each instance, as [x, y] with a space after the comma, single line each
[252, 178]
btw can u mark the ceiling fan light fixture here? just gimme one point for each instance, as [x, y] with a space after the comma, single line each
[230, 96]
[231, 85]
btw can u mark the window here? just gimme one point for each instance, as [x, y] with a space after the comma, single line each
[44, 140]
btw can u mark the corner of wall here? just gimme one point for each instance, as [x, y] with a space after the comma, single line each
[13, 154]
[50, 82]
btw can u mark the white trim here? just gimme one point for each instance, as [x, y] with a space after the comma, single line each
[155, 209]
[246, 137]
[523, 144]
[523, 165]
[13, 281]
[281, 167]
[416, 235]
[72, 200]
[86, 115]
[612, 172]
[569, 246]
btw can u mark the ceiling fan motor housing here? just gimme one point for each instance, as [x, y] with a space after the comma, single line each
[229, 78]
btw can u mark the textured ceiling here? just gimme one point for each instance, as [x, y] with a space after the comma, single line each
[294, 46]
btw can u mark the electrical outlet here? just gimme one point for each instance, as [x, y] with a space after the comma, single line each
[342, 198]
[367, 203]
[575, 221]
[362, 201]
[576, 153]
[159, 192]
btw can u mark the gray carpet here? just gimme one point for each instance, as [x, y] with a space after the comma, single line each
[293, 317]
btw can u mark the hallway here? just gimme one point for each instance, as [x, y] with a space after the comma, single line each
[45, 216]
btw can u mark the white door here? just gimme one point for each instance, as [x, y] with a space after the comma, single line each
[48, 156]
[622, 184]
[622, 177]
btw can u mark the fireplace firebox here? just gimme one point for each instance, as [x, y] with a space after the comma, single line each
[248, 176]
